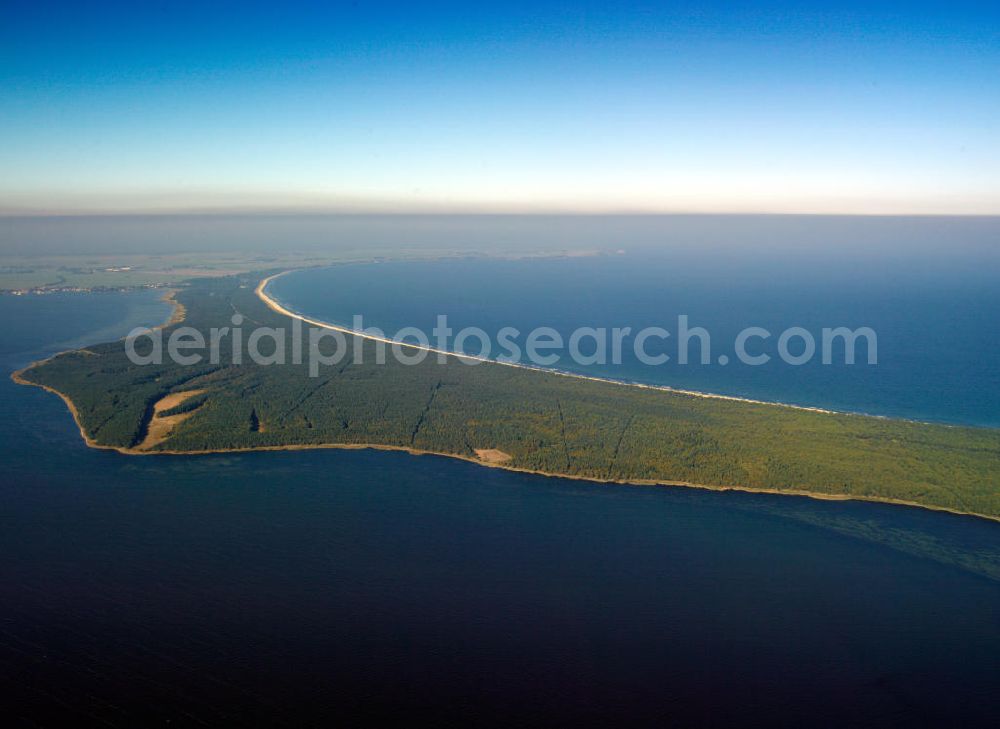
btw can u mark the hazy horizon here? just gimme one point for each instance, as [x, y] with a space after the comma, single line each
[968, 239]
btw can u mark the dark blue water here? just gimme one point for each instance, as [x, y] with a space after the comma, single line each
[284, 588]
[936, 314]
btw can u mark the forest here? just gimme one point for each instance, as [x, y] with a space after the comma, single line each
[542, 421]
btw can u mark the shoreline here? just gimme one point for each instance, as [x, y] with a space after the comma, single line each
[178, 313]
[818, 496]
[16, 377]
[280, 308]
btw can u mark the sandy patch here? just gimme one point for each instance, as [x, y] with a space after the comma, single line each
[492, 455]
[161, 427]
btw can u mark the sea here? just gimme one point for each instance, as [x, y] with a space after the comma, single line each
[300, 587]
[933, 352]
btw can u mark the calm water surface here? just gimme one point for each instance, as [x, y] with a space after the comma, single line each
[936, 313]
[288, 587]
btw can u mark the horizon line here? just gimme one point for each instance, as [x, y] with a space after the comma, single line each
[461, 211]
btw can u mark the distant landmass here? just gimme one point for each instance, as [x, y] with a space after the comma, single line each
[506, 417]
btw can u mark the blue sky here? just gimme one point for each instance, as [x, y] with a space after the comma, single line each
[701, 107]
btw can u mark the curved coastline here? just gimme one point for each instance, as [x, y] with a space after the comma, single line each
[277, 306]
[178, 314]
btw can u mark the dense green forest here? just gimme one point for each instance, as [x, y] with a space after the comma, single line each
[545, 422]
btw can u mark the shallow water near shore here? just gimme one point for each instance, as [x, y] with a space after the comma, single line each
[286, 586]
